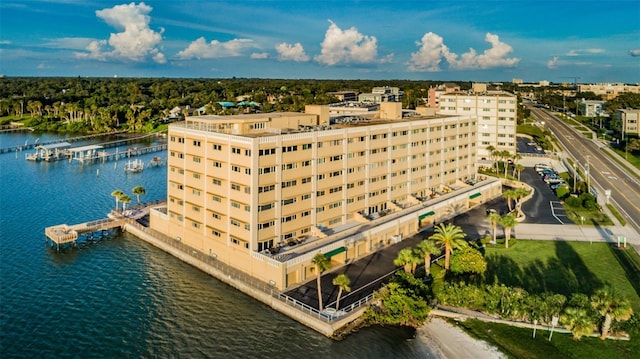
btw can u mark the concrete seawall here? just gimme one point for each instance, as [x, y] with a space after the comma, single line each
[268, 296]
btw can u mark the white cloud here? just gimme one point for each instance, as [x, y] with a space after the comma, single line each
[135, 41]
[200, 49]
[5, 42]
[429, 56]
[433, 49]
[551, 64]
[346, 47]
[635, 52]
[291, 52]
[578, 52]
[495, 56]
[74, 43]
[259, 55]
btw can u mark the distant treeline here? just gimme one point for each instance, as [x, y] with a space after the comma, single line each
[139, 104]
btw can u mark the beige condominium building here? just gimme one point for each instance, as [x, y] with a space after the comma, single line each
[629, 122]
[265, 193]
[496, 112]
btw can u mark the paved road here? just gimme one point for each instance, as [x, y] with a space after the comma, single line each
[604, 172]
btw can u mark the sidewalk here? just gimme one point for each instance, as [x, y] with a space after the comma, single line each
[572, 232]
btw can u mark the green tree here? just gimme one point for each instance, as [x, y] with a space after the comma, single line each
[507, 222]
[343, 283]
[578, 321]
[117, 194]
[509, 195]
[398, 306]
[405, 258]
[468, 260]
[451, 237]
[611, 308]
[427, 249]
[124, 199]
[138, 191]
[321, 263]
[494, 218]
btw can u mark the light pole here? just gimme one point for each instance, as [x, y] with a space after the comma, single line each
[575, 175]
[587, 174]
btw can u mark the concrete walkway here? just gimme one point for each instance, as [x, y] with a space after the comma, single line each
[572, 232]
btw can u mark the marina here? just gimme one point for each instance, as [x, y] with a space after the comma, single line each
[28, 146]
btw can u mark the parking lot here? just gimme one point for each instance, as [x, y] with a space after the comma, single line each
[526, 145]
[544, 207]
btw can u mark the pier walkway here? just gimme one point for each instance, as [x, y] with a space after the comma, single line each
[28, 146]
[63, 234]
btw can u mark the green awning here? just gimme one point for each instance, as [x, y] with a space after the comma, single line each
[475, 195]
[423, 216]
[335, 251]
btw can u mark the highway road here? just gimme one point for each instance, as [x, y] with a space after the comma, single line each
[605, 174]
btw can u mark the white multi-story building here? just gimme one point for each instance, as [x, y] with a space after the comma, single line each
[629, 122]
[497, 112]
[590, 108]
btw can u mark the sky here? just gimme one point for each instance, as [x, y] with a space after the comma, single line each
[586, 41]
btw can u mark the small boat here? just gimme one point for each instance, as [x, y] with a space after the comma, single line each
[156, 162]
[134, 166]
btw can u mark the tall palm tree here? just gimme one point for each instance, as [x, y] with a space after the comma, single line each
[490, 149]
[124, 199]
[427, 248]
[578, 321]
[452, 237]
[343, 283]
[506, 155]
[520, 194]
[494, 218]
[321, 263]
[518, 168]
[406, 259]
[139, 190]
[117, 194]
[611, 307]
[508, 222]
[497, 155]
[509, 195]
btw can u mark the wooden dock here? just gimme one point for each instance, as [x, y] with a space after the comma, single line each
[28, 146]
[65, 234]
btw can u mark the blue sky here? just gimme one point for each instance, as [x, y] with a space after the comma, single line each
[598, 41]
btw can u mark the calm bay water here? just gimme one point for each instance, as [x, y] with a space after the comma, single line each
[121, 298]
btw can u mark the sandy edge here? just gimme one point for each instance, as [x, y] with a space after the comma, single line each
[450, 342]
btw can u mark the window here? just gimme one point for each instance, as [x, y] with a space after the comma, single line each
[235, 187]
[305, 196]
[247, 152]
[306, 146]
[235, 150]
[195, 192]
[268, 188]
[217, 147]
[266, 170]
[195, 208]
[289, 218]
[216, 215]
[289, 149]
[180, 140]
[217, 182]
[196, 143]
[289, 166]
[288, 201]
[235, 204]
[266, 225]
[196, 159]
[247, 171]
[305, 213]
[266, 207]
[289, 183]
[320, 193]
[195, 224]
[235, 168]
[217, 164]
[216, 198]
[306, 163]
[234, 222]
[196, 175]
[267, 151]
[181, 155]
[306, 180]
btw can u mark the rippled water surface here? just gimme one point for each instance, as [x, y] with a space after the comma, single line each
[121, 298]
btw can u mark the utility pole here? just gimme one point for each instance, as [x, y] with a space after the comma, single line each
[575, 175]
[588, 169]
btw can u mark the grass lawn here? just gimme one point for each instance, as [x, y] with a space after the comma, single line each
[591, 217]
[519, 343]
[566, 268]
[632, 159]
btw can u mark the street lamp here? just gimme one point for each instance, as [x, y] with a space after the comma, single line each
[575, 175]
[587, 173]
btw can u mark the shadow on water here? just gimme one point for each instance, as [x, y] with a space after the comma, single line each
[564, 274]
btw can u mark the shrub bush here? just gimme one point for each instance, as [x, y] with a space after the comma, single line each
[573, 202]
[562, 192]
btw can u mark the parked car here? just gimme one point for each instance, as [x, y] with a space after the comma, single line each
[555, 186]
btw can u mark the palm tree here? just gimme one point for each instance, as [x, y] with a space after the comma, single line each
[406, 259]
[518, 168]
[124, 199]
[508, 222]
[497, 155]
[452, 237]
[427, 248]
[494, 218]
[520, 194]
[506, 155]
[139, 190]
[321, 263]
[490, 149]
[117, 194]
[611, 307]
[509, 195]
[343, 283]
[578, 321]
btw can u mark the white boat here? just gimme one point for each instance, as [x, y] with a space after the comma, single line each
[134, 166]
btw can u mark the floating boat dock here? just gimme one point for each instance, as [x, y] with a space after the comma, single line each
[28, 146]
[64, 234]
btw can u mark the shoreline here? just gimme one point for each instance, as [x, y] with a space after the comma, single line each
[446, 341]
